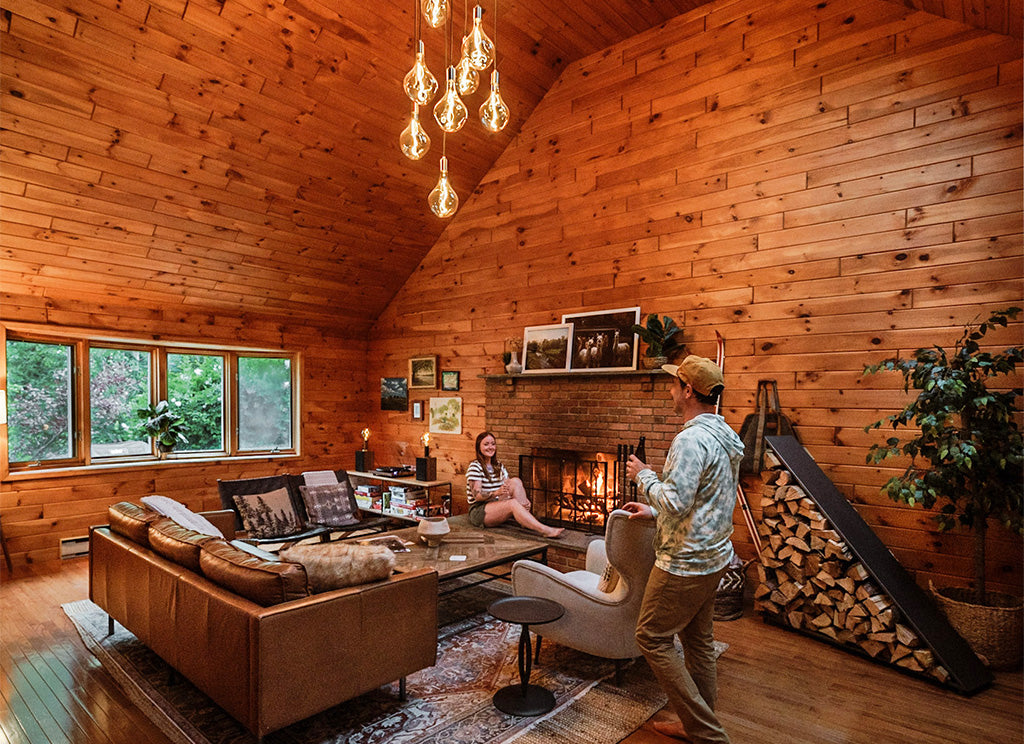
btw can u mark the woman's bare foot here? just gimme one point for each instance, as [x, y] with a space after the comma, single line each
[671, 727]
[553, 532]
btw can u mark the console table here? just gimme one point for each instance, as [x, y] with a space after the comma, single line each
[443, 489]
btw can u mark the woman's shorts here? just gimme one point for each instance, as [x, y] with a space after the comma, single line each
[477, 513]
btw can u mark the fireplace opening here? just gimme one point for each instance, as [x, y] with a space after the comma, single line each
[573, 489]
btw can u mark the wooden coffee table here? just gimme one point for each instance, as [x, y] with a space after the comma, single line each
[466, 550]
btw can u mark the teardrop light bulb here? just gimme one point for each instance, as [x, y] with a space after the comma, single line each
[443, 200]
[466, 77]
[494, 113]
[450, 112]
[420, 85]
[435, 12]
[414, 140]
[477, 46]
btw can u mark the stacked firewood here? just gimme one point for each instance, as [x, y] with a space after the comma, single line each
[810, 580]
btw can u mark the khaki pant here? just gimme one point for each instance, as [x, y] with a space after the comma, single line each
[684, 606]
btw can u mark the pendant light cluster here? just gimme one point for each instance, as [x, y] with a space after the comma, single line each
[461, 79]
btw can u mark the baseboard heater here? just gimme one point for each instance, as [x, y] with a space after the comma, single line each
[74, 547]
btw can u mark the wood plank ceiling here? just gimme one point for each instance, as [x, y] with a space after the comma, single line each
[243, 154]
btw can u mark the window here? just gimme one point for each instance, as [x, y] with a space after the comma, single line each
[64, 413]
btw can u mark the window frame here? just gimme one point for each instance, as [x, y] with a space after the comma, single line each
[81, 426]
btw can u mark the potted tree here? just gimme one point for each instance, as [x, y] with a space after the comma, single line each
[966, 453]
[656, 333]
[163, 426]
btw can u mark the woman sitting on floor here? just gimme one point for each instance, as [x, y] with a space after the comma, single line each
[494, 497]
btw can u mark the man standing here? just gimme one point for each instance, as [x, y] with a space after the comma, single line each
[693, 504]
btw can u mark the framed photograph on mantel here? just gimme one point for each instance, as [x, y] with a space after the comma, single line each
[603, 339]
[546, 348]
[423, 372]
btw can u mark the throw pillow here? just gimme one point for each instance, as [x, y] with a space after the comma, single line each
[337, 564]
[609, 579]
[181, 514]
[331, 505]
[266, 516]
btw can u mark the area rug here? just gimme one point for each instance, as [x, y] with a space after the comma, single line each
[449, 703]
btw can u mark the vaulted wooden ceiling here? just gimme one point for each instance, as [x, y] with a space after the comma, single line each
[244, 153]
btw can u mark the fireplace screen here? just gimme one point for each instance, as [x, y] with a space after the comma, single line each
[572, 489]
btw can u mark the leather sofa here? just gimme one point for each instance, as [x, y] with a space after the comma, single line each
[273, 654]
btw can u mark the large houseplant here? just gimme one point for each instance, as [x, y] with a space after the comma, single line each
[966, 452]
[163, 425]
[656, 333]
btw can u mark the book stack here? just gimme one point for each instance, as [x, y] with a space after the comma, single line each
[368, 496]
[405, 500]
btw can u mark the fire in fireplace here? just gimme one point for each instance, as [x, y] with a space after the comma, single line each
[573, 489]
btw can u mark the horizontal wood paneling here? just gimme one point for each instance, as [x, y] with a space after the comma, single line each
[836, 184]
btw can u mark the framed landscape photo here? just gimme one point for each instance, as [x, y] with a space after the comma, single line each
[603, 339]
[546, 348]
[394, 394]
[450, 380]
[445, 416]
[423, 372]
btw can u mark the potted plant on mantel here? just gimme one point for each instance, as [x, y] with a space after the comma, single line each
[967, 452]
[163, 426]
[656, 334]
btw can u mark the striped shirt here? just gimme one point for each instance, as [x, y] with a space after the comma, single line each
[490, 480]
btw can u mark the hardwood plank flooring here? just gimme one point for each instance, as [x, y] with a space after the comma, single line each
[774, 685]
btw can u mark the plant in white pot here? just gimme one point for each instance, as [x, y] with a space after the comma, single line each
[162, 425]
[966, 455]
[656, 333]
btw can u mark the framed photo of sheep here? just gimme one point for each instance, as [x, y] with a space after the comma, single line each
[603, 339]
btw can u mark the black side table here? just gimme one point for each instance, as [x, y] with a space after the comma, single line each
[525, 699]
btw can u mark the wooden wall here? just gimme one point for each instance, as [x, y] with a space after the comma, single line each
[825, 184]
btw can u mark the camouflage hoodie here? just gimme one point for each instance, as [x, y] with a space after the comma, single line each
[694, 498]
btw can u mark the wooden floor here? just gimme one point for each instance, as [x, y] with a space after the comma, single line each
[775, 686]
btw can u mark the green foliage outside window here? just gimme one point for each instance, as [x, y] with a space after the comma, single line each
[195, 391]
[38, 401]
[119, 383]
[264, 403]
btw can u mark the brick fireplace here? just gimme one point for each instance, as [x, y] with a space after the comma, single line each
[586, 415]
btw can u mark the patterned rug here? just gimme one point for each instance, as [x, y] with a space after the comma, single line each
[449, 703]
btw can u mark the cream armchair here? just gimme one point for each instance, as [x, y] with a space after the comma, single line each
[596, 622]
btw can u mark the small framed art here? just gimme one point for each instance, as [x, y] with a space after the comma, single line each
[417, 410]
[445, 416]
[449, 380]
[603, 339]
[394, 394]
[546, 348]
[423, 372]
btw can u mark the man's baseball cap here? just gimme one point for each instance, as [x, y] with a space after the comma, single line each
[703, 374]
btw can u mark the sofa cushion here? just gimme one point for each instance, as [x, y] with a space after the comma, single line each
[176, 543]
[265, 582]
[332, 504]
[181, 514]
[268, 515]
[335, 565]
[131, 521]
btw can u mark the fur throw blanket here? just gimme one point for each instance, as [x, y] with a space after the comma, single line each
[337, 564]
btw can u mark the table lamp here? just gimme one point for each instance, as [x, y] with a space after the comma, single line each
[426, 466]
[364, 457]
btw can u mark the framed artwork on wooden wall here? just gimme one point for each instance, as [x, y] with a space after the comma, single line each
[546, 348]
[394, 394]
[445, 416]
[417, 410]
[423, 372]
[450, 380]
[603, 339]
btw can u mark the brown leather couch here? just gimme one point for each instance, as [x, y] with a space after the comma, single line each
[269, 660]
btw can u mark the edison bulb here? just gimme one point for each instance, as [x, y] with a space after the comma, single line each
[467, 78]
[435, 12]
[414, 140]
[477, 46]
[420, 85]
[450, 112]
[443, 200]
[494, 113]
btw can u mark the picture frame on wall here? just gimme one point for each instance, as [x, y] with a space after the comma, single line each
[450, 380]
[603, 339]
[445, 416]
[423, 373]
[417, 410]
[546, 348]
[394, 394]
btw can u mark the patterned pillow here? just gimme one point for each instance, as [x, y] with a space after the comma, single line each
[331, 504]
[268, 515]
[609, 579]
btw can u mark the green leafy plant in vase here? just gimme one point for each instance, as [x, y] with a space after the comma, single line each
[656, 334]
[966, 455]
[164, 426]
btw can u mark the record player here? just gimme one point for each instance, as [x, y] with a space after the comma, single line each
[394, 471]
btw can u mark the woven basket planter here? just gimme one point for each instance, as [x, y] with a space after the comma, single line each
[994, 631]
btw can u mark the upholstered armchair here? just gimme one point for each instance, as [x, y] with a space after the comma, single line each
[597, 622]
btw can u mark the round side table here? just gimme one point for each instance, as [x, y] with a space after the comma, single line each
[525, 699]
